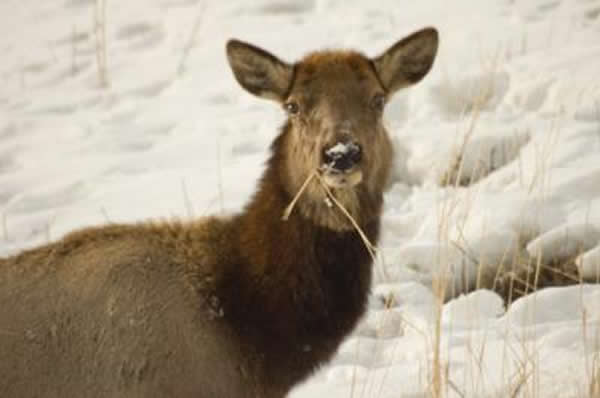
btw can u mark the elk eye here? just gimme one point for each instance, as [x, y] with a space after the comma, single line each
[292, 108]
[378, 102]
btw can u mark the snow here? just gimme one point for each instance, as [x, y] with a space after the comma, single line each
[341, 148]
[561, 242]
[497, 158]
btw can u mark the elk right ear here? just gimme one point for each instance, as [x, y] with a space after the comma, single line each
[258, 71]
[407, 61]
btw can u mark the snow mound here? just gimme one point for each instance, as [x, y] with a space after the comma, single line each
[564, 242]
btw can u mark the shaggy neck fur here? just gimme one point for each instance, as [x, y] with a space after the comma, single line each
[300, 287]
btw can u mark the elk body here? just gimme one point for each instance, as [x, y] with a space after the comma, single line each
[245, 306]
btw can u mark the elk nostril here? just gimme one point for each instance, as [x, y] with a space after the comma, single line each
[356, 156]
[342, 156]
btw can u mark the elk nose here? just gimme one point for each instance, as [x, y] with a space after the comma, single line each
[342, 156]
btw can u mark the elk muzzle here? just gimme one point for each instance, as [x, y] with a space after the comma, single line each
[340, 164]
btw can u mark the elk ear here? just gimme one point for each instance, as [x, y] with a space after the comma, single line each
[258, 71]
[407, 61]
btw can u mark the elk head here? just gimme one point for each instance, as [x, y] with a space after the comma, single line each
[334, 102]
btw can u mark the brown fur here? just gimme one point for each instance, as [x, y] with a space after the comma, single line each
[245, 306]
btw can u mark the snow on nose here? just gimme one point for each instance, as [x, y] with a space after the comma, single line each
[342, 156]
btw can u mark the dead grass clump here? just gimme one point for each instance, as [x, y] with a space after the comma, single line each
[523, 275]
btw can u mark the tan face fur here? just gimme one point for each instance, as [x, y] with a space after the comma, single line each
[335, 99]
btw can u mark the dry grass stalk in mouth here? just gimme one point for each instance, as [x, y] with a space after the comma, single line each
[288, 210]
[370, 247]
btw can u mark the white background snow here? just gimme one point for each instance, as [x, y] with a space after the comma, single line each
[514, 97]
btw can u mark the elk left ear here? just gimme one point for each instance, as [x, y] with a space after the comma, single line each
[258, 71]
[407, 61]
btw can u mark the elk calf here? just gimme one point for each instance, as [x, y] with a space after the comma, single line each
[246, 306]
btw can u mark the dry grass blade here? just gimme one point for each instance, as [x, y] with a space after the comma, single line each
[290, 208]
[439, 289]
[455, 388]
[519, 383]
[570, 277]
[315, 174]
[100, 31]
[186, 199]
[595, 379]
[5, 227]
[192, 39]
[370, 247]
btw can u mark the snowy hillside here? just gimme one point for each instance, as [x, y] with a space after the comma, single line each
[133, 113]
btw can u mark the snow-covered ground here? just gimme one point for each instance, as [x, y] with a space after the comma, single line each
[498, 158]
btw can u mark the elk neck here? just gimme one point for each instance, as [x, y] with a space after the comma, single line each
[299, 288]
